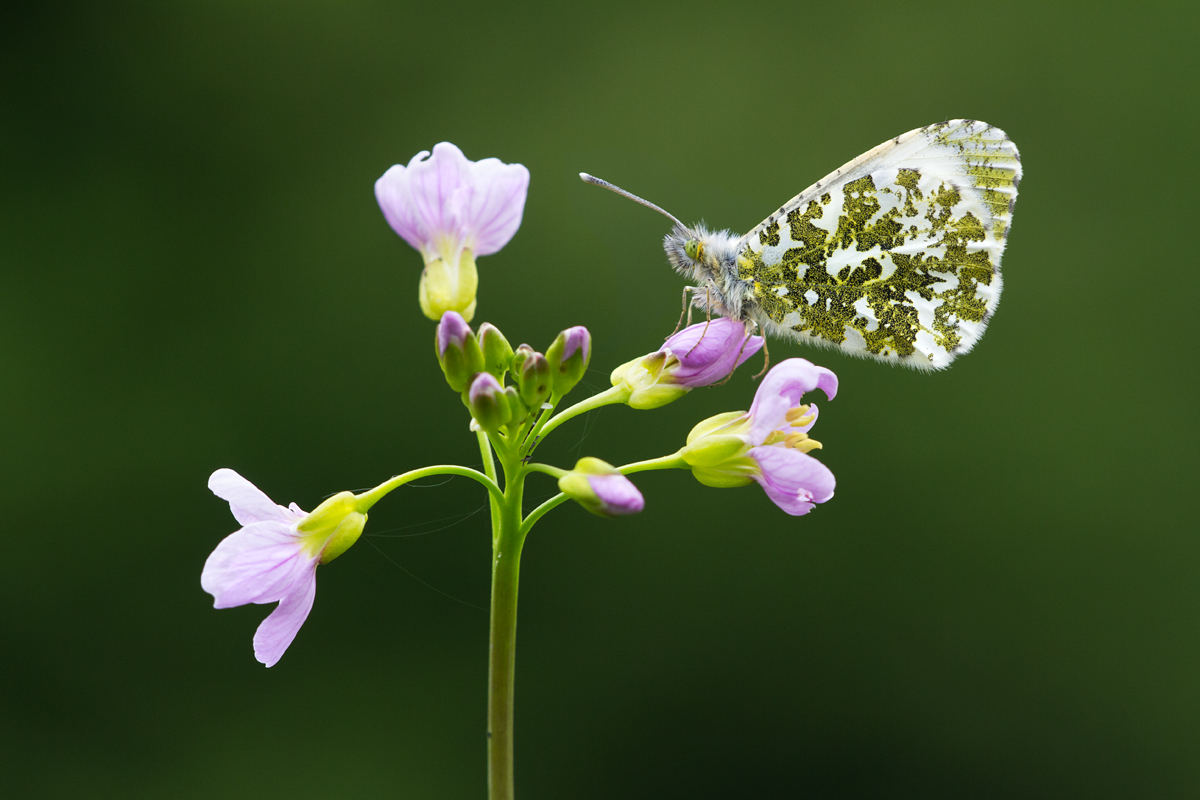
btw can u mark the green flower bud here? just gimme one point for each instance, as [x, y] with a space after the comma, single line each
[533, 380]
[518, 411]
[522, 352]
[457, 350]
[489, 404]
[568, 358]
[497, 352]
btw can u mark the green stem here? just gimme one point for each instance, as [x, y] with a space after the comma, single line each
[489, 468]
[506, 567]
[616, 394]
[553, 472]
[536, 431]
[673, 461]
[540, 511]
[370, 498]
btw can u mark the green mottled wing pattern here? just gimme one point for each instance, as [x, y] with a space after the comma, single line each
[896, 255]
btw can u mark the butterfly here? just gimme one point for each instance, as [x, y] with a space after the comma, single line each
[895, 256]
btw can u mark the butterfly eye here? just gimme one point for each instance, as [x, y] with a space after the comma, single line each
[693, 249]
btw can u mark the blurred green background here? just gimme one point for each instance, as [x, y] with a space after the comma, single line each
[1001, 601]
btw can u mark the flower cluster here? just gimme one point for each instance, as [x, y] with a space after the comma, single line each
[453, 210]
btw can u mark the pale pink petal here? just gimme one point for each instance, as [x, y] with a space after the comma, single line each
[793, 480]
[246, 501]
[443, 202]
[493, 208]
[279, 629]
[781, 391]
[391, 191]
[432, 185]
[257, 564]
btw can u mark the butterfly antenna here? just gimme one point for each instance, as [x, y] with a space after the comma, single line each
[613, 188]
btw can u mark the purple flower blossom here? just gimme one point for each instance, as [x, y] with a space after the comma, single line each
[770, 443]
[698, 355]
[708, 352]
[600, 488]
[452, 210]
[274, 557]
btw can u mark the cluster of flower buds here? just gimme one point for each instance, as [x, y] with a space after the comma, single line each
[476, 366]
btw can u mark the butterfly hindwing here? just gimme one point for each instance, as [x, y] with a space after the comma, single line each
[896, 255]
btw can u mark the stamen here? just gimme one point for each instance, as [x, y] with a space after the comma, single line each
[793, 415]
[801, 416]
[793, 439]
[809, 444]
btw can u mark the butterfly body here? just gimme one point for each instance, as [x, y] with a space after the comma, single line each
[895, 256]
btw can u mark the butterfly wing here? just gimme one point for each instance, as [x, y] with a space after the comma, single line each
[896, 255]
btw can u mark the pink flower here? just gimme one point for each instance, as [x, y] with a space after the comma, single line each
[274, 557]
[699, 355]
[708, 352]
[452, 210]
[770, 443]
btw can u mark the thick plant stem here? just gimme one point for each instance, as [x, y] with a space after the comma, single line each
[506, 566]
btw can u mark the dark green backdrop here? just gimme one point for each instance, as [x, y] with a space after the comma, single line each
[1003, 600]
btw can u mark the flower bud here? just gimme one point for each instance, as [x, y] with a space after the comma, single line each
[601, 489]
[533, 380]
[488, 403]
[457, 350]
[568, 357]
[518, 412]
[497, 352]
[522, 352]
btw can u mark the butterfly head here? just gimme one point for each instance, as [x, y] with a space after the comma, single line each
[699, 253]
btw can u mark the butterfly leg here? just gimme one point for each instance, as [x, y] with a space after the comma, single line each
[751, 326]
[687, 310]
[766, 356]
[707, 321]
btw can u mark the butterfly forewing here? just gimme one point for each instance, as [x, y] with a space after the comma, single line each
[897, 254]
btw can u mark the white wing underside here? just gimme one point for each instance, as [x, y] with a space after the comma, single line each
[904, 266]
